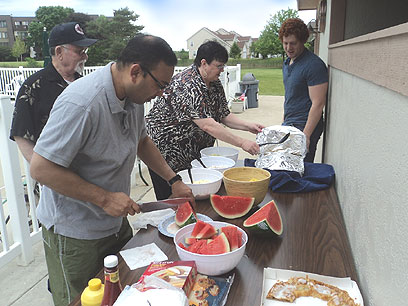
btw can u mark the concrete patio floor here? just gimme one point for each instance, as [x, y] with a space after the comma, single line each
[27, 285]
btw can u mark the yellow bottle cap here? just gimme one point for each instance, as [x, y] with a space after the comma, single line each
[95, 284]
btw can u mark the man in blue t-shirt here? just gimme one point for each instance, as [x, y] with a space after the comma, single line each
[305, 79]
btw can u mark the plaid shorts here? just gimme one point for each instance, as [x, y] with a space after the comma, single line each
[73, 262]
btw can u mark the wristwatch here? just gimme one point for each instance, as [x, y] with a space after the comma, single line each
[175, 179]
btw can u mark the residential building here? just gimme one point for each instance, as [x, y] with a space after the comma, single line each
[364, 44]
[224, 37]
[12, 27]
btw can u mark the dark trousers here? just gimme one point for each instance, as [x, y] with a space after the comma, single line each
[161, 187]
[314, 139]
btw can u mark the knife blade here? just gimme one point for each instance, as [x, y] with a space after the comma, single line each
[162, 204]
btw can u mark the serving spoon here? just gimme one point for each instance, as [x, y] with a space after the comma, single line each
[284, 138]
[190, 175]
[201, 162]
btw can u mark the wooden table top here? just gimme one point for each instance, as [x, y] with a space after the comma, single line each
[314, 240]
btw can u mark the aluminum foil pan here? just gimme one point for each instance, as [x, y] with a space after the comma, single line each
[288, 155]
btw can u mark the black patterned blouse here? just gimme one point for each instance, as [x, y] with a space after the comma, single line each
[170, 122]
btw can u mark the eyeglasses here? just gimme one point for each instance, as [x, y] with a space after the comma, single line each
[159, 84]
[220, 67]
[80, 52]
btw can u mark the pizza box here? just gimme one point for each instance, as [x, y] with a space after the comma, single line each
[180, 274]
[271, 276]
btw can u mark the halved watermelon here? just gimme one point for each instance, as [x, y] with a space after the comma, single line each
[266, 220]
[203, 230]
[232, 235]
[219, 245]
[184, 215]
[231, 207]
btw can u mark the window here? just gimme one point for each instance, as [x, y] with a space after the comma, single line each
[3, 35]
[191, 44]
[3, 24]
[25, 23]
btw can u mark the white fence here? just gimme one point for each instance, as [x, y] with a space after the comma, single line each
[18, 229]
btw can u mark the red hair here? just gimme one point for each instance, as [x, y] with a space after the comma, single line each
[296, 27]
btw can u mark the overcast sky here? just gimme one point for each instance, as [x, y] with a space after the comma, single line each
[175, 20]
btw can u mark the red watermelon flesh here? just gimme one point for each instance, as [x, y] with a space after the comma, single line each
[197, 228]
[232, 235]
[208, 231]
[182, 246]
[265, 220]
[184, 215]
[239, 233]
[231, 207]
[219, 245]
[190, 240]
[197, 246]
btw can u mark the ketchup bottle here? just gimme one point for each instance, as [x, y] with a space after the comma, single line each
[112, 283]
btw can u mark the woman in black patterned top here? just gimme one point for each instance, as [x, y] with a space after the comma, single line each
[189, 115]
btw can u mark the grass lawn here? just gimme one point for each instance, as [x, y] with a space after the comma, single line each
[17, 64]
[270, 80]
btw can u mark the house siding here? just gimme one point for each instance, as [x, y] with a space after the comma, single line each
[366, 144]
[365, 141]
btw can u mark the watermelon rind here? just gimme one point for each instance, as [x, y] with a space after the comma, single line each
[266, 220]
[231, 207]
[184, 215]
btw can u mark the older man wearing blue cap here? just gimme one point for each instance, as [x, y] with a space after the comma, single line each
[68, 48]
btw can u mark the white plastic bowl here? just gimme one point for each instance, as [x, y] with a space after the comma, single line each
[219, 163]
[203, 190]
[221, 151]
[211, 264]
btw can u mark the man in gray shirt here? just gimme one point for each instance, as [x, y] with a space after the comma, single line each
[84, 158]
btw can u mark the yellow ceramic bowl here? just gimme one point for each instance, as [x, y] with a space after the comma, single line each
[247, 182]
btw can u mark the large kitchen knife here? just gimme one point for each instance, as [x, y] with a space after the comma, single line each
[162, 204]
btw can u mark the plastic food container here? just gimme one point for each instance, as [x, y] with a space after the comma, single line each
[211, 264]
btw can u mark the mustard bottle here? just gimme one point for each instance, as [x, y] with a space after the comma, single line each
[93, 294]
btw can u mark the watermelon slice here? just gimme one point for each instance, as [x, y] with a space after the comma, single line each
[203, 230]
[219, 245]
[184, 215]
[266, 220]
[197, 246]
[190, 240]
[231, 207]
[182, 246]
[232, 235]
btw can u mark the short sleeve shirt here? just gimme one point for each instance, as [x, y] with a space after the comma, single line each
[170, 122]
[34, 102]
[91, 134]
[307, 70]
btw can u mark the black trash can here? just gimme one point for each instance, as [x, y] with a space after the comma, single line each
[249, 85]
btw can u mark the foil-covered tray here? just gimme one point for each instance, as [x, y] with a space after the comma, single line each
[288, 155]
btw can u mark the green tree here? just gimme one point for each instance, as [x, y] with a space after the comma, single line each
[235, 51]
[268, 42]
[5, 53]
[80, 18]
[19, 48]
[47, 16]
[182, 55]
[113, 34]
